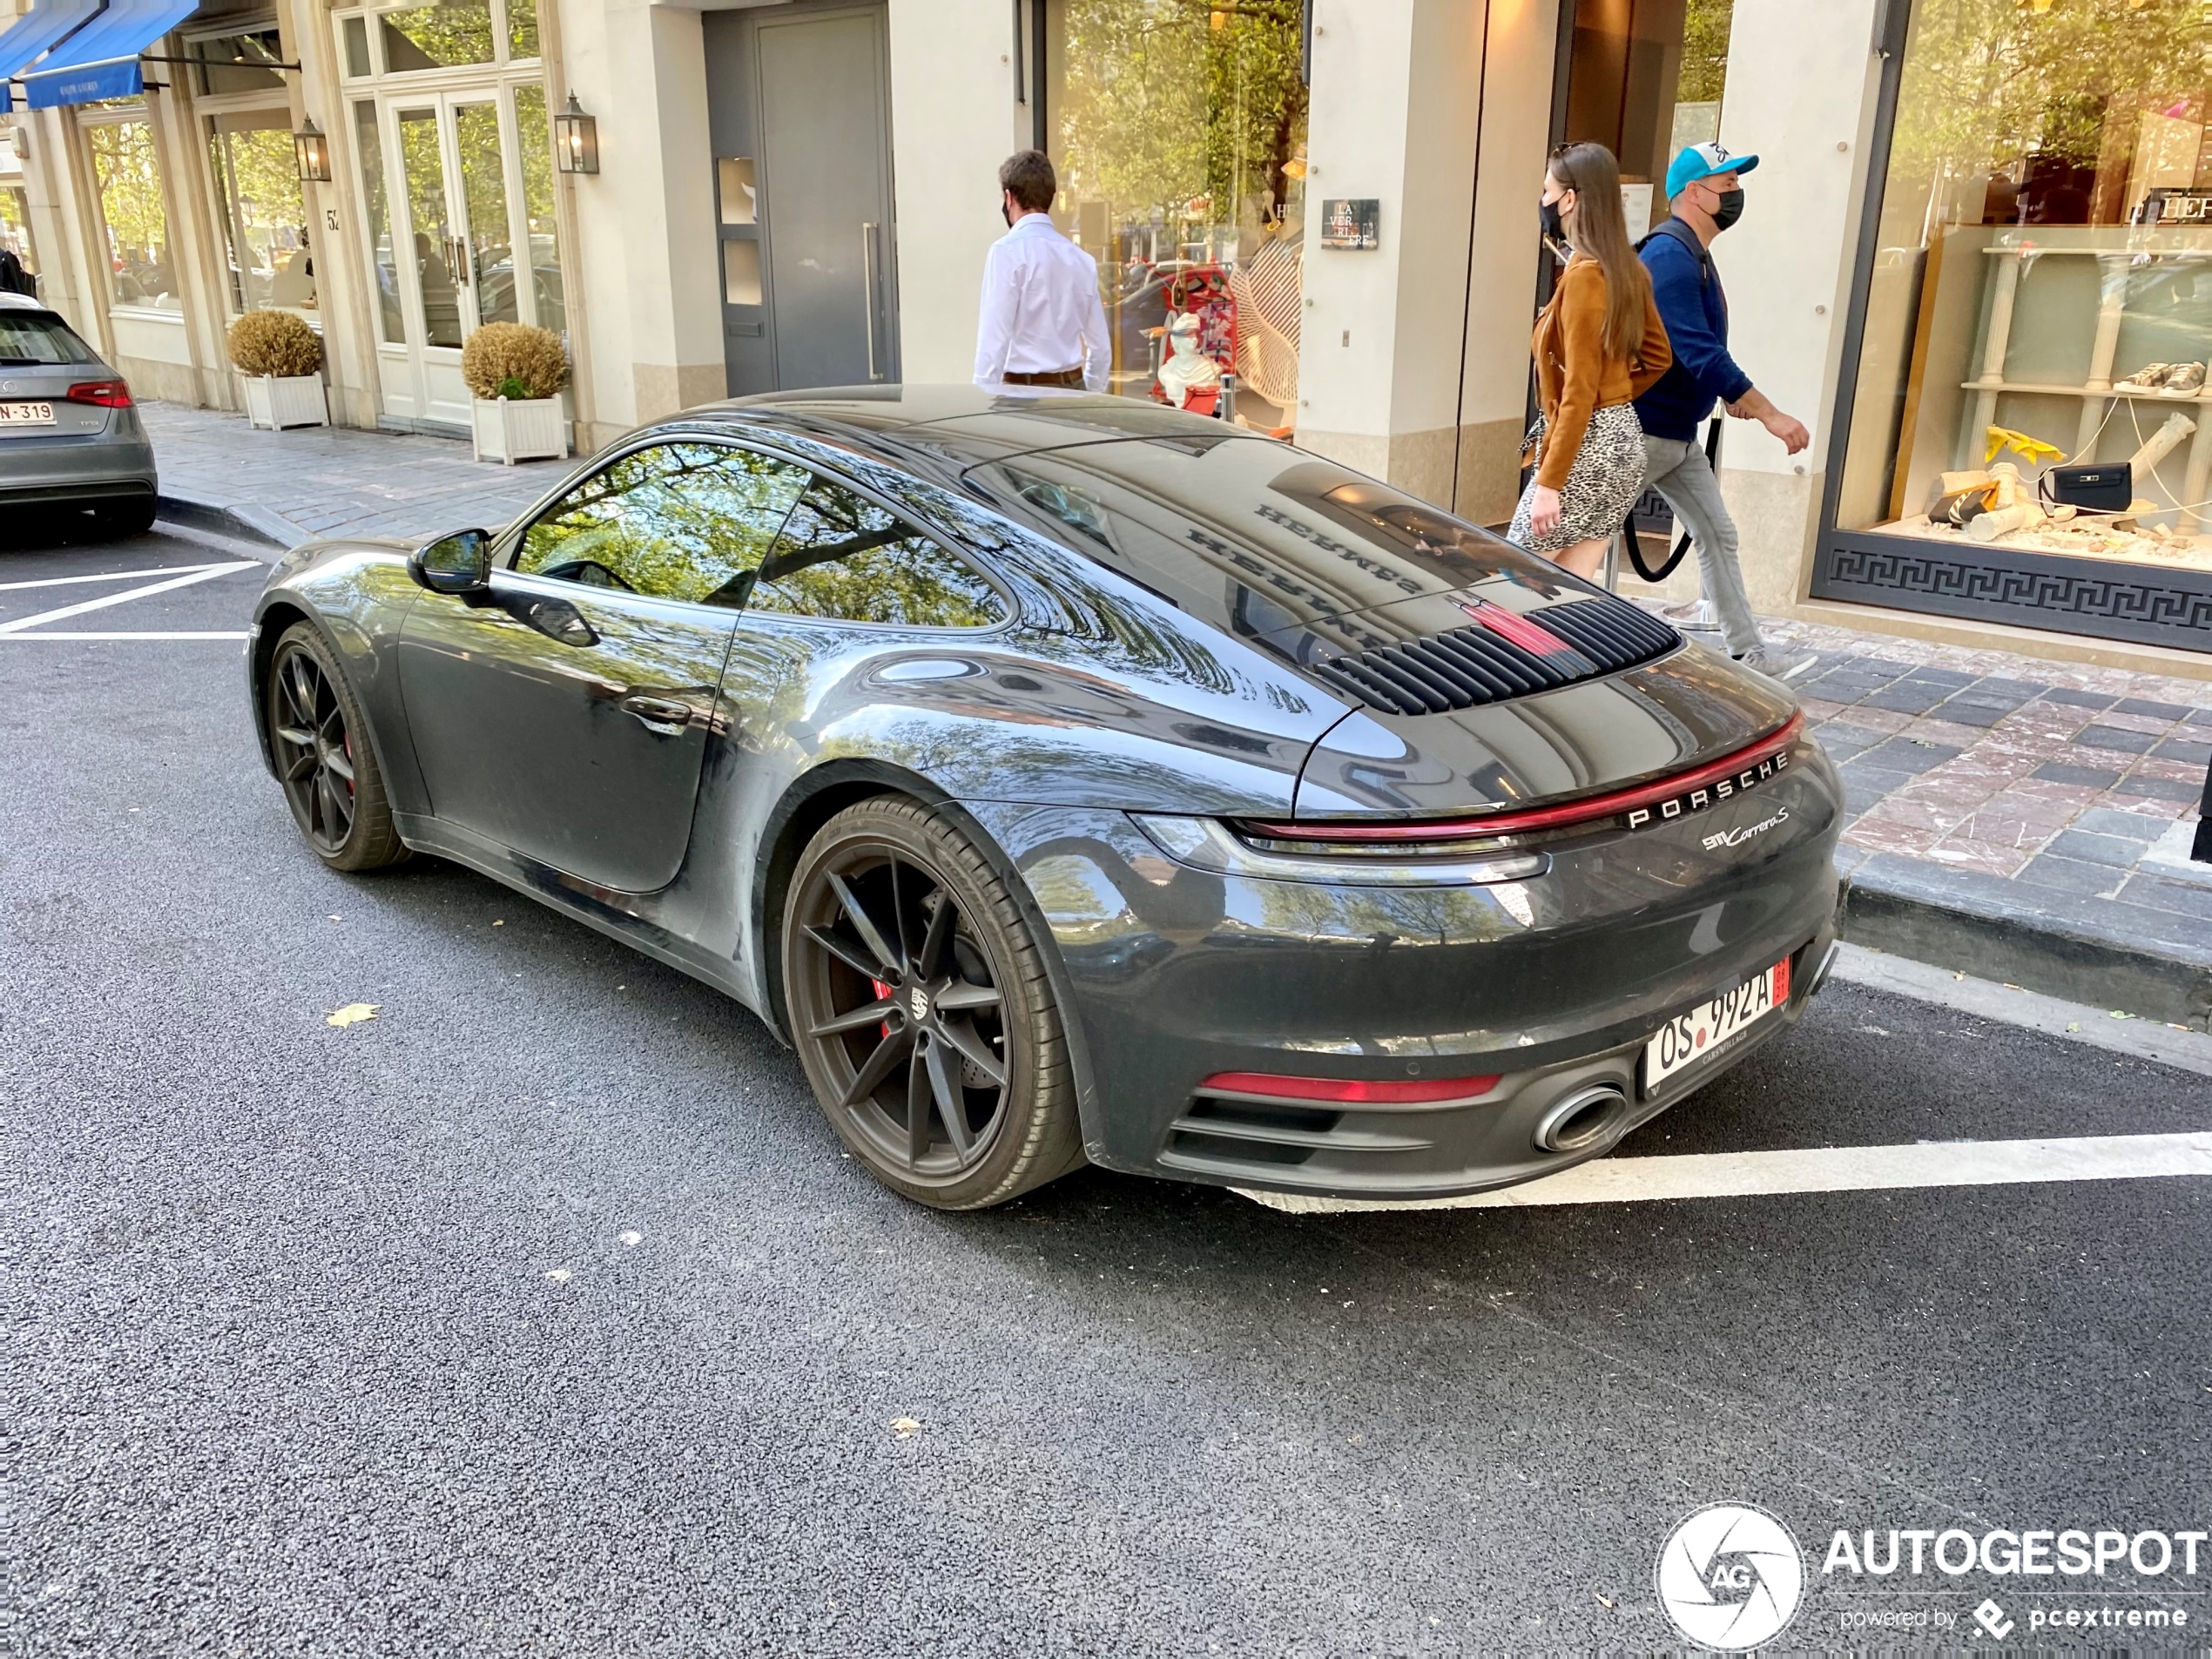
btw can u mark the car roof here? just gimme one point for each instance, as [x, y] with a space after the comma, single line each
[20, 303]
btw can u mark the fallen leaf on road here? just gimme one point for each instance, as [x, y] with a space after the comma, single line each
[559, 1276]
[2075, 1026]
[633, 1239]
[499, 924]
[1603, 1602]
[353, 1014]
[905, 1427]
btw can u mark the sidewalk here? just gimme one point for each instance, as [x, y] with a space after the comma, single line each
[2020, 820]
[285, 488]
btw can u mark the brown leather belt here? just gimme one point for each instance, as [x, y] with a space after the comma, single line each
[1052, 377]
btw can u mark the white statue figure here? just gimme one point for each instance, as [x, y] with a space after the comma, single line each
[1187, 369]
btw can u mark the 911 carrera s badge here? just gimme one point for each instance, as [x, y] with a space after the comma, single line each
[1696, 800]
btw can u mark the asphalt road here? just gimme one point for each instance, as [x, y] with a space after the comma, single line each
[541, 1314]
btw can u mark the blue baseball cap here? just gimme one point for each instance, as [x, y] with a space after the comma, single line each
[1703, 161]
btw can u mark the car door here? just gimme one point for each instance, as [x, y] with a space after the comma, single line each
[566, 713]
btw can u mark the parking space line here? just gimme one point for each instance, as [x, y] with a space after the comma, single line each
[1831, 1169]
[65, 612]
[110, 576]
[18, 639]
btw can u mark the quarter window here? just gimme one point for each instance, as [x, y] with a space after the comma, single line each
[673, 521]
[841, 556]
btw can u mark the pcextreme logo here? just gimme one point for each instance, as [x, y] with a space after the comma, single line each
[1730, 1576]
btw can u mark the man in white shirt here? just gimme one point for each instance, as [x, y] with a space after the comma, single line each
[1043, 323]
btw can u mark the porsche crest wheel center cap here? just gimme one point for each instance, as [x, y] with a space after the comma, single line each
[918, 1004]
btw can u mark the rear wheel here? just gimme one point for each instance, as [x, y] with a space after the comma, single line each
[323, 757]
[919, 1002]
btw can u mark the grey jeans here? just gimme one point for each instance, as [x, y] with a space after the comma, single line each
[1678, 471]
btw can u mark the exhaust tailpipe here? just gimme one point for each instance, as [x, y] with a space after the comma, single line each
[1581, 1119]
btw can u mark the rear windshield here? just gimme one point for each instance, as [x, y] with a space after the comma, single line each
[39, 337]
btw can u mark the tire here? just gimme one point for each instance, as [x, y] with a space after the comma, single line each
[318, 735]
[125, 518]
[863, 930]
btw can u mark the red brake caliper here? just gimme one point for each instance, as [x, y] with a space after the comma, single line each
[882, 994]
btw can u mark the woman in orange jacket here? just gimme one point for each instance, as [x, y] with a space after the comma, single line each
[1599, 346]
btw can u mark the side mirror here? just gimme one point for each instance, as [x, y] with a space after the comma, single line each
[460, 564]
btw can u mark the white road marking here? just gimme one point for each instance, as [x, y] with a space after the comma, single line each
[17, 639]
[151, 588]
[2146, 1039]
[1835, 1169]
[110, 576]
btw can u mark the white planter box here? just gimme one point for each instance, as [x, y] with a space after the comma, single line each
[277, 401]
[511, 430]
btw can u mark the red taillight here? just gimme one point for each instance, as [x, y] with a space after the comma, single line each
[108, 394]
[1617, 804]
[1348, 1091]
[1511, 626]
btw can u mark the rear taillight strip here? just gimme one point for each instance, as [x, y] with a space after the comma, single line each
[106, 395]
[1617, 804]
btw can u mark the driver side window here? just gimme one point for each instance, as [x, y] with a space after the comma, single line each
[672, 521]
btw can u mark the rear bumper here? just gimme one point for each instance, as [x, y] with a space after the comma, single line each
[76, 472]
[1552, 986]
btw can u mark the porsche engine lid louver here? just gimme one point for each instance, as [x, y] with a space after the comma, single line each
[1500, 654]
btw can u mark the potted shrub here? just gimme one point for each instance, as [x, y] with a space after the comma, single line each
[279, 359]
[516, 373]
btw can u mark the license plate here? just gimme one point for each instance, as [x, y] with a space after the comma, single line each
[26, 414]
[1703, 1031]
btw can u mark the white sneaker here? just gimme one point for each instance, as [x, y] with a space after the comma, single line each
[1780, 665]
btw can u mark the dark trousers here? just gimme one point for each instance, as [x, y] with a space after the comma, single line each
[2202, 851]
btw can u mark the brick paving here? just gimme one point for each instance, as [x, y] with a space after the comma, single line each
[290, 487]
[2056, 778]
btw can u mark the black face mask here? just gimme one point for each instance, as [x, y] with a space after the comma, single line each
[1555, 232]
[1730, 210]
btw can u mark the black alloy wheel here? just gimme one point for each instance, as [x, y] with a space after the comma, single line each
[318, 739]
[922, 1011]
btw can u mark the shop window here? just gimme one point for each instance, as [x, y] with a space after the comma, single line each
[740, 272]
[140, 272]
[1178, 131]
[368, 144]
[534, 134]
[15, 226]
[2041, 291]
[245, 62]
[440, 34]
[265, 218]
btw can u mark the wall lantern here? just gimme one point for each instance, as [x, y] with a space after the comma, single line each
[312, 152]
[576, 139]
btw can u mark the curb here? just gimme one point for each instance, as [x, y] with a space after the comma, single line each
[255, 524]
[2054, 943]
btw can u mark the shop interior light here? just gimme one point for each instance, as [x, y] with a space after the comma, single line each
[576, 139]
[312, 150]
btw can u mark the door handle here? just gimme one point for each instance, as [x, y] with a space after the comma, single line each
[663, 714]
[867, 289]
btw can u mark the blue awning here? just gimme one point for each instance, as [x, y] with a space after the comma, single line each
[101, 60]
[38, 30]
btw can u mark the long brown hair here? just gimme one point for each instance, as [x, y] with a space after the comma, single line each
[1601, 232]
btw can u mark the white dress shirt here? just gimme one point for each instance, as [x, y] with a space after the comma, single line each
[1041, 308]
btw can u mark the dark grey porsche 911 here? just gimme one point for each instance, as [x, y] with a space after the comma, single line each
[1071, 779]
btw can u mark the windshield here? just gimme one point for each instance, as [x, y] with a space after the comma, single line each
[37, 337]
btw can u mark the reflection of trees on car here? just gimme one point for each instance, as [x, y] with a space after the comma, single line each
[843, 557]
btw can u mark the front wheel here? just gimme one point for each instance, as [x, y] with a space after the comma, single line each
[323, 757]
[920, 1004]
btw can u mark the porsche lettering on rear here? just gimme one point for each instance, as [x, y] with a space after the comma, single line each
[1697, 800]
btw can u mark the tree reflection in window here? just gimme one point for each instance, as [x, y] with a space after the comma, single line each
[675, 520]
[844, 557]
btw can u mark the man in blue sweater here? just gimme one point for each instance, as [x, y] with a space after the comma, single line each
[1705, 188]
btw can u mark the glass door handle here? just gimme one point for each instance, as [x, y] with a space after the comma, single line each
[867, 289]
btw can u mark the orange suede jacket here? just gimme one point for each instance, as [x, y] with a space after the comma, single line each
[1574, 378]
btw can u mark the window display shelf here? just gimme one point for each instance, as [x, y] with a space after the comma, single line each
[2143, 395]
